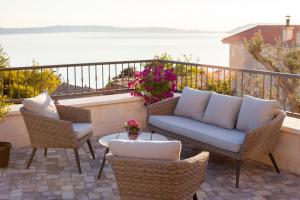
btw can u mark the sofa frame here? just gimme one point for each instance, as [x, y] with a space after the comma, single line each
[261, 140]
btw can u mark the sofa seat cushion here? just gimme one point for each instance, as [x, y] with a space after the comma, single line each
[82, 129]
[228, 139]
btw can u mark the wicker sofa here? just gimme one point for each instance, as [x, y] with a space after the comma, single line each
[261, 140]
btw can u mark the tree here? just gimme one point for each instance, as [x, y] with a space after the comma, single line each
[221, 87]
[26, 83]
[284, 58]
[4, 60]
[3, 107]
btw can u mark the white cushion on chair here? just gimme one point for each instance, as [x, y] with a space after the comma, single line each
[255, 112]
[222, 110]
[42, 105]
[82, 129]
[192, 103]
[156, 150]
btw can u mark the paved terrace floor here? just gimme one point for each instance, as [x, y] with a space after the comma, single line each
[56, 177]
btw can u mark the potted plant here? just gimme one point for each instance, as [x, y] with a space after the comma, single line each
[4, 146]
[132, 127]
[155, 83]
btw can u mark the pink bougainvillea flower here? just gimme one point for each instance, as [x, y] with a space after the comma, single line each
[154, 83]
[130, 84]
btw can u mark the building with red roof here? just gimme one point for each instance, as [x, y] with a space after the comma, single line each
[239, 56]
[269, 33]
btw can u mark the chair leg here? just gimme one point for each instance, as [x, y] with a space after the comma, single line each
[237, 173]
[91, 148]
[77, 160]
[195, 197]
[31, 157]
[274, 162]
[45, 152]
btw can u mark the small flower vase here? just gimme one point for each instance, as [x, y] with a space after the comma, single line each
[133, 135]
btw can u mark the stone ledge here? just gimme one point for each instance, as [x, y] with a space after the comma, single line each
[100, 100]
[88, 101]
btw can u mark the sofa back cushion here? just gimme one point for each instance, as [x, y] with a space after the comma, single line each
[222, 110]
[192, 103]
[42, 105]
[255, 112]
[154, 150]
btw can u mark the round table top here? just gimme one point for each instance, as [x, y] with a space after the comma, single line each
[143, 136]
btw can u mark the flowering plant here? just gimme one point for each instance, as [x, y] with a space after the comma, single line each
[154, 83]
[3, 107]
[132, 126]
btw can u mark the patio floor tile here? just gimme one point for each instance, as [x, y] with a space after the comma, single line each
[56, 177]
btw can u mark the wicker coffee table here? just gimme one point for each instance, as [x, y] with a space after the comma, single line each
[143, 136]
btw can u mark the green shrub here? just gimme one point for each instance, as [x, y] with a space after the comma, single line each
[23, 84]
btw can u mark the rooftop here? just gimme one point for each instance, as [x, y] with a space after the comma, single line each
[270, 34]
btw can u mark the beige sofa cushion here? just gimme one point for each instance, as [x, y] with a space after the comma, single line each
[255, 112]
[192, 103]
[222, 110]
[156, 150]
[42, 105]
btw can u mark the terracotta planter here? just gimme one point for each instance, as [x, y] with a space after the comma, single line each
[4, 154]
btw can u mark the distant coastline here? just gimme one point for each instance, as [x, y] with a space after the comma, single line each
[91, 28]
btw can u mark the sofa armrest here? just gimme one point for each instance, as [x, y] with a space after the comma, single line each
[264, 138]
[73, 114]
[164, 107]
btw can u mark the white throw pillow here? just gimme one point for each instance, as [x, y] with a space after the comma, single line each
[155, 150]
[255, 112]
[222, 110]
[42, 105]
[192, 103]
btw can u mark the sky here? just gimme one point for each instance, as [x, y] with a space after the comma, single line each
[208, 15]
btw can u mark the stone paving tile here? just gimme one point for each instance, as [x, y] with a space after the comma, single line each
[56, 177]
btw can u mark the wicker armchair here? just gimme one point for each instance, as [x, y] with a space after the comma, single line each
[141, 179]
[258, 141]
[51, 133]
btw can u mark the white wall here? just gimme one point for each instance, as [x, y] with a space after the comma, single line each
[240, 57]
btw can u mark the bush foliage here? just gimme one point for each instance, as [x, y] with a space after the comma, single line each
[26, 83]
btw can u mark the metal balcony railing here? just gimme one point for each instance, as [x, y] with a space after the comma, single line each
[86, 79]
[283, 87]
[68, 80]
